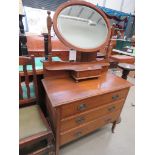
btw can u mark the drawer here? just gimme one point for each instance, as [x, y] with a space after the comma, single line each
[87, 116]
[91, 102]
[89, 73]
[86, 128]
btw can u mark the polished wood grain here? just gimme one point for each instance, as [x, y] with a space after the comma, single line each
[78, 70]
[65, 90]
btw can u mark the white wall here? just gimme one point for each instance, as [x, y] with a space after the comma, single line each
[95, 2]
[113, 4]
[128, 6]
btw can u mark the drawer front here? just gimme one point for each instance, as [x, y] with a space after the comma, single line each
[85, 117]
[92, 102]
[82, 130]
[89, 73]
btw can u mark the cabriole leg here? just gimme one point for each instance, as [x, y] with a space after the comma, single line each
[113, 126]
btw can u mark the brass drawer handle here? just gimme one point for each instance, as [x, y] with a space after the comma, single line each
[78, 134]
[111, 109]
[80, 120]
[108, 120]
[82, 107]
[115, 97]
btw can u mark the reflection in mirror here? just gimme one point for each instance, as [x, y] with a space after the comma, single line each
[82, 26]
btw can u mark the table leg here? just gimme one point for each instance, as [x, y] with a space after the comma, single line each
[125, 74]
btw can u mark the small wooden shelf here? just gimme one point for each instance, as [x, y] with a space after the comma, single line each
[80, 70]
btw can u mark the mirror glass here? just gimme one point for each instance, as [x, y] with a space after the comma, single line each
[82, 27]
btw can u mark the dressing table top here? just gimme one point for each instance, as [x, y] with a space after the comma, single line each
[63, 91]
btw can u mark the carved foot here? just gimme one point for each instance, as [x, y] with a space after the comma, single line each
[125, 74]
[113, 126]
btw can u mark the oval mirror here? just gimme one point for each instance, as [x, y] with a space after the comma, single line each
[81, 26]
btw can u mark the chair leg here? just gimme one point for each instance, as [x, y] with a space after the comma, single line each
[49, 143]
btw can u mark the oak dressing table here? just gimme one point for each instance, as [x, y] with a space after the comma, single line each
[82, 96]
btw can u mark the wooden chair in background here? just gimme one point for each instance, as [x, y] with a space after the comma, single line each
[28, 89]
[33, 126]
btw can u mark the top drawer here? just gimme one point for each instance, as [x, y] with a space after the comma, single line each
[91, 102]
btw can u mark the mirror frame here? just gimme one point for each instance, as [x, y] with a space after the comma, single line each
[87, 4]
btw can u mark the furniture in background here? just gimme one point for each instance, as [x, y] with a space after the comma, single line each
[122, 43]
[119, 33]
[33, 126]
[133, 41]
[38, 66]
[113, 63]
[124, 47]
[123, 52]
[123, 59]
[126, 69]
[22, 37]
[35, 45]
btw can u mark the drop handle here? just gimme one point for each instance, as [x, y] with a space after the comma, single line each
[82, 107]
[111, 109]
[80, 120]
[115, 97]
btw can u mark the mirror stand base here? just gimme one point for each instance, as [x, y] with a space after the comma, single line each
[86, 56]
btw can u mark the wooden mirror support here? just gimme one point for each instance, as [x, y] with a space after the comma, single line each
[87, 65]
[47, 36]
[49, 26]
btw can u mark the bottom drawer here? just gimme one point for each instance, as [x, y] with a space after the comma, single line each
[84, 129]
